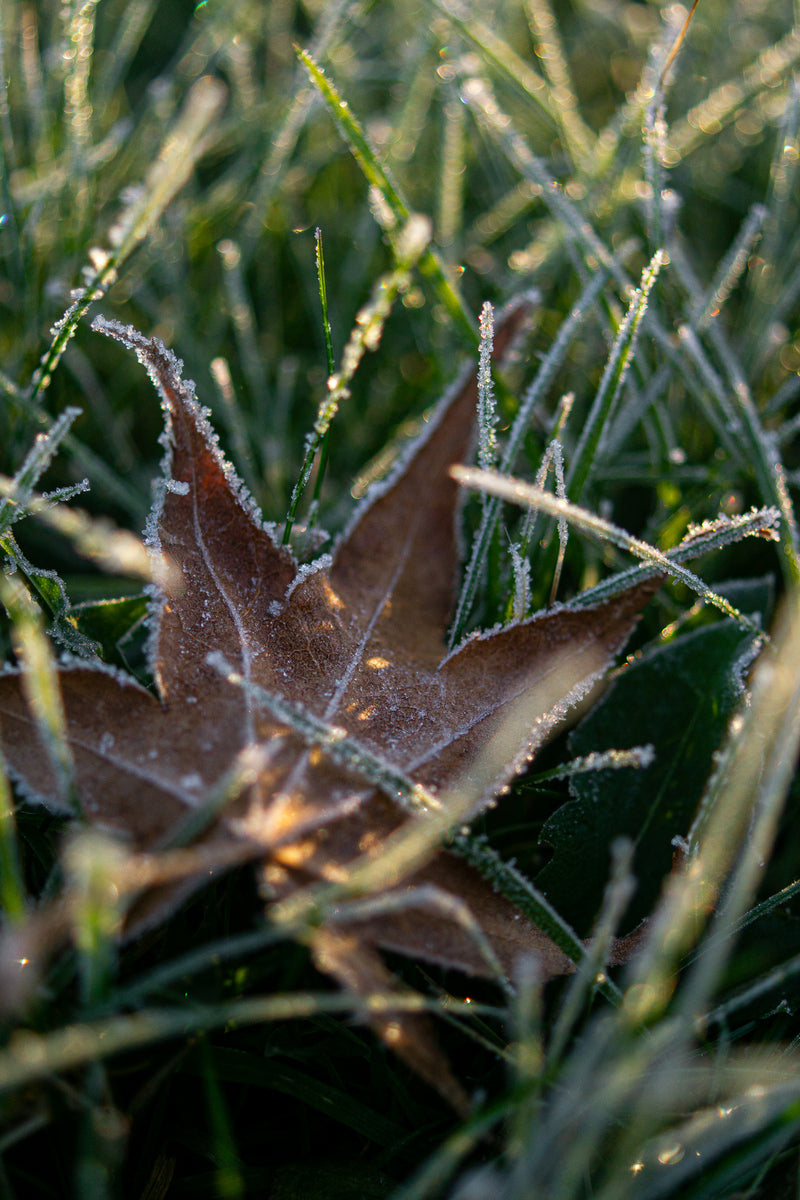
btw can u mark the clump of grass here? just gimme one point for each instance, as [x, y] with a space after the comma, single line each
[170, 165]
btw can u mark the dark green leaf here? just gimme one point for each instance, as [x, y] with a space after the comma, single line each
[678, 698]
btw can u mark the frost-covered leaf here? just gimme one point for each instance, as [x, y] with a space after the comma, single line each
[677, 698]
[348, 651]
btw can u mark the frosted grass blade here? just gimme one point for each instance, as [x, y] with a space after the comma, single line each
[182, 148]
[17, 496]
[410, 246]
[511, 883]
[12, 888]
[522, 493]
[765, 73]
[611, 383]
[40, 679]
[536, 392]
[749, 784]
[578, 138]
[430, 263]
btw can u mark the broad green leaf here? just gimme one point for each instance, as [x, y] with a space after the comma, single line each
[678, 698]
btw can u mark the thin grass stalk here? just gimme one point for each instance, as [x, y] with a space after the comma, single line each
[31, 1056]
[410, 247]
[753, 781]
[762, 451]
[780, 219]
[181, 149]
[17, 496]
[511, 883]
[78, 113]
[734, 794]
[430, 263]
[707, 538]
[590, 975]
[487, 404]
[40, 683]
[522, 493]
[243, 319]
[767, 71]
[326, 329]
[578, 138]
[732, 267]
[535, 393]
[611, 383]
[12, 887]
[281, 142]
[450, 208]
[132, 23]
[499, 55]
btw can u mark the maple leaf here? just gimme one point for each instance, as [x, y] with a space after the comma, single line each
[307, 695]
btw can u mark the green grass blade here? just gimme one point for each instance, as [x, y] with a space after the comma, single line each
[430, 263]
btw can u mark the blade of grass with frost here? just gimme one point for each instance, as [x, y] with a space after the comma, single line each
[768, 70]
[611, 383]
[739, 425]
[762, 451]
[440, 817]
[12, 887]
[410, 245]
[598, 760]
[731, 269]
[487, 405]
[430, 264]
[519, 492]
[776, 978]
[17, 496]
[182, 147]
[553, 455]
[578, 138]
[335, 743]
[40, 679]
[33, 1056]
[506, 879]
[653, 145]
[79, 19]
[51, 596]
[500, 55]
[750, 788]
[544, 376]
[705, 539]
[567, 216]
[775, 267]
[326, 327]
[715, 403]
[752, 774]
[281, 141]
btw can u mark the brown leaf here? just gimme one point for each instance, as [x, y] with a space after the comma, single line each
[354, 644]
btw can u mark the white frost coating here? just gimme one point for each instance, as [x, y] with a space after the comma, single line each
[164, 369]
[323, 563]
[487, 407]
[179, 486]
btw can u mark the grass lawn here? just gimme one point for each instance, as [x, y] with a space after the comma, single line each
[323, 210]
